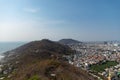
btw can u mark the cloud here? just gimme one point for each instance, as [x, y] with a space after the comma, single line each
[31, 10]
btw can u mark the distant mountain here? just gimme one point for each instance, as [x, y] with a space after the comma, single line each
[41, 60]
[68, 41]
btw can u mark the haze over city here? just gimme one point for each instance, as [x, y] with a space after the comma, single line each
[84, 20]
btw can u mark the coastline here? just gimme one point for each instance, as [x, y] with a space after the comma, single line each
[1, 55]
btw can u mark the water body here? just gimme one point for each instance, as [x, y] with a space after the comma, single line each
[6, 46]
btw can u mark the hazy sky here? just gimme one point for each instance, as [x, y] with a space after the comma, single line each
[91, 20]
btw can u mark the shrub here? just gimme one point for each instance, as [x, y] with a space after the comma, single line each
[35, 77]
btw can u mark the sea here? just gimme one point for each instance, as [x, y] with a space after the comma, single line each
[7, 46]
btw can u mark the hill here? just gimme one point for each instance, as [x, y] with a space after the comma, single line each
[41, 60]
[68, 41]
[42, 49]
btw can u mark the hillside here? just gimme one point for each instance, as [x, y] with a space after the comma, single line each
[68, 41]
[41, 60]
[39, 49]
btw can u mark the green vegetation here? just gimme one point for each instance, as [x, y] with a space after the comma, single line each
[35, 77]
[101, 66]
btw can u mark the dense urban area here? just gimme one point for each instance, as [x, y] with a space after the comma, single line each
[98, 58]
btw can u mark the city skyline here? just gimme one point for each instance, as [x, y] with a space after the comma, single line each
[88, 20]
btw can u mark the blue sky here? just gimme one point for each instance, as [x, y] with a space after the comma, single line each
[84, 20]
